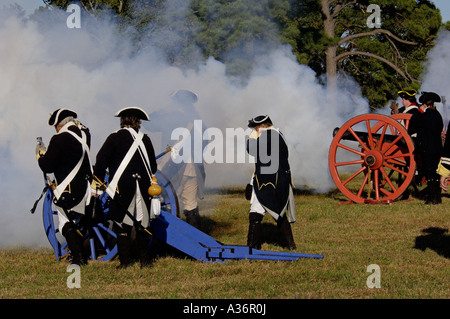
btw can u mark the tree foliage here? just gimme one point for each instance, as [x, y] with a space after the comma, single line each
[94, 6]
[335, 39]
[330, 36]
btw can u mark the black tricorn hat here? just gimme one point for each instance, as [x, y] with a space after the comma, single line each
[258, 120]
[59, 115]
[406, 93]
[184, 96]
[133, 111]
[429, 96]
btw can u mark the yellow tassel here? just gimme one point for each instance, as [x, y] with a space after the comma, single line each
[154, 189]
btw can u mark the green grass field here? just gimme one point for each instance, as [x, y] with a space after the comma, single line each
[407, 240]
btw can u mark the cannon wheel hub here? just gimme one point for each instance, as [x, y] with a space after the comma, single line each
[374, 159]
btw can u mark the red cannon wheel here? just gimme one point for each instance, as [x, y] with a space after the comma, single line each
[371, 158]
[402, 118]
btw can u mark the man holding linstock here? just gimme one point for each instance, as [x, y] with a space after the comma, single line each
[67, 157]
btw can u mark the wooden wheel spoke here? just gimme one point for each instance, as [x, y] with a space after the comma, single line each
[364, 183]
[370, 136]
[353, 176]
[391, 147]
[386, 192]
[395, 162]
[377, 185]
[109, 231]
[381, 140]
[396, 169]
[363, 145]
[404, 156]
[350, 149]
[350, 163]
[393, 130]
[388, 179]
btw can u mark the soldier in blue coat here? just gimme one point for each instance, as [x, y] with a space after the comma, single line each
[67, 157]
[271, 182]
[129, 157]
[427, 127]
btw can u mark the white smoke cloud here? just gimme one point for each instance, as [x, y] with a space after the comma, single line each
[436, 76]
[42, 70]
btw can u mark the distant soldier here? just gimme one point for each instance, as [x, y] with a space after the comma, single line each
[428, 143]
[67, 157]
[444, 165]
[129, 157]
[271, 182]
[186, 175]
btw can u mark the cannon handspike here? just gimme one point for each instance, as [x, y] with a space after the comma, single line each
[200, 246]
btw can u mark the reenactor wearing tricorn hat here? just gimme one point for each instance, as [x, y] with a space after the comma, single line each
[67, 157]
[187, 176]
[129, 157]
[410, 106]
[428, 143]
[271, 182]
[409, 102]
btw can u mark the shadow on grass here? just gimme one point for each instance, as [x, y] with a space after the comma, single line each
[436, 239]
[208, 225]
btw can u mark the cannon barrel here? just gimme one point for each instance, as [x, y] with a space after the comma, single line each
[364, 136]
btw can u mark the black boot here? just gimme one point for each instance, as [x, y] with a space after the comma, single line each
[285, 231]
[124, 249]
[438, 193]
[434, 192]
[193, 217]
[143, 247]
[254, 230]
[75, 244]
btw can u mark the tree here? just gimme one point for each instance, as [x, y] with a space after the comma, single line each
[331, 36]
[336, 40]
[119, 6]
[447, 25]
[235, 32]
[231, 31]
